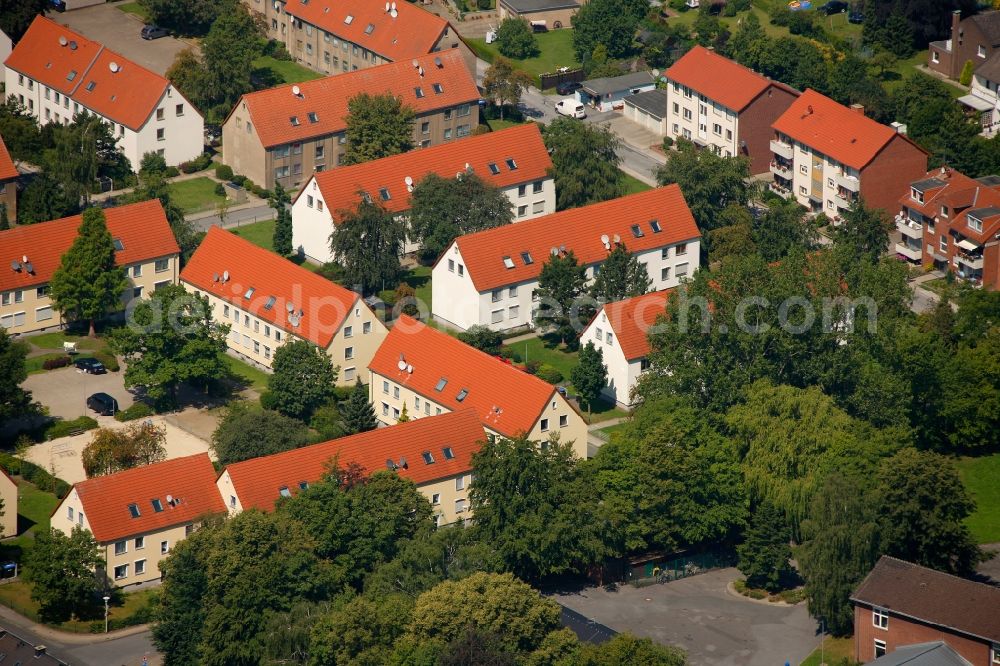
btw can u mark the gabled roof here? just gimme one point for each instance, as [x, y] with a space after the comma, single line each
[937, 653]
[189, 481]
[100, 79]
[266, 276]
[485, 153]
[963, 196]
[272, 110]
[720, 79]
[7, 169]
[258, 482]
[141, 227]
[413, 32]
[989, 24]
[844, 134]
[613, 84]
[632, 318]
[933, 597]
[490, 384]
[579, 230]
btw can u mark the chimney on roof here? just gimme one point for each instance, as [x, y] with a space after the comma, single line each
[809, 111]
[860, 108]
[40, 650]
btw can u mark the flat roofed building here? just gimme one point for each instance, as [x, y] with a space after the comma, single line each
[548, 14]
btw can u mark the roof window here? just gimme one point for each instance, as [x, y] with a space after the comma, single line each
[448, 453]
[526, 258]
[303, 485]
[508, 262]
[462, 395]
[270, 302]
[294, 120]
[91, 86]
[511, 164]
[157, 505]
[494, 169]
[367, 197]
[313, 118]
[419, 92]
[71, 75]
[249, 293]
[636, 231]
[384, 193]
[441, 384]
[349, 19]
[655, 226]
[438, 89]
[119, 245]
[370, 28]
[284, 491]
[133, 510]
[428, 457]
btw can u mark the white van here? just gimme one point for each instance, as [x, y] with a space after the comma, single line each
[570, 107]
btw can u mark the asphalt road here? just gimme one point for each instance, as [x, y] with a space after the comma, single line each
[235, 218]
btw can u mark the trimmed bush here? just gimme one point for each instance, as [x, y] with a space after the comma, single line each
[34, 474]
[172, 171]
[548, 373]
[109, 360]
[63, 428]
[220, 190]
[53, 363]
[224, 172]
[237, 179]
[138, 410]
[531, 367]
[187, 167]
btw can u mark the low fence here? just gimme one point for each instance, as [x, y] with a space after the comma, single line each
[552, 79]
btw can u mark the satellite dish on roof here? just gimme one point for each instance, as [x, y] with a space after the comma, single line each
[63, 41]
[225, 276]
[402, 462]
[290, 307]
[389, 464]
[393, 5]
[393, 13]
[28, 267]
[415, 63]
[170, 499]
[387, 6]
[458, 175]
[215, 277]
[618, 239]
[553, 251]
[14, 266]
[409, 368]
[408, 180]
[296, 91]
[605, 239]
[114, 67]
[401, 364]
[72, 45]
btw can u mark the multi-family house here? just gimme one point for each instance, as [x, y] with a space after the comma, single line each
[268, 300]
[723, 106]
[982, 104]
[514, 160]
[952, 221]
[491, 277]
[972, 40]
[56, 73]
[284, 134]
[145, 249]
[8, 494]
[827, 155]
[348, 35]
[8, 183]
[435, 453]
[620, 331]
[427, 372]
[900, 604]
[138, 515]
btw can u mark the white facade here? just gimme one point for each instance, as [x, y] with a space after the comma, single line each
[456, 300]
[694, 117]
[984, 101]
[5, 48]
[174, 129]
[623, 374]
[817, 181]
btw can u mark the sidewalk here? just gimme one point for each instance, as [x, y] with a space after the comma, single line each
[17, 621]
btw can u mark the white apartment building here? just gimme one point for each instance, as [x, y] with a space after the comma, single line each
[983, 100]
[56, 73]
[514, 160]
[491, 277]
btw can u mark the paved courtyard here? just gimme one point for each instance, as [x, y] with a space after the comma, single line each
[716, 627]
[65, 391]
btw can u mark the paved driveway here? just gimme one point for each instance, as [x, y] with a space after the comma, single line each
[119, 32]
[65, 391]
[716, 627]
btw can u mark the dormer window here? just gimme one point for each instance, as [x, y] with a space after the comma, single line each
[944, 211]
[294, 120]
[133, 510]
[448, 453]
[916, 195]
[975, 223]
[313, 118]
[419, 92]
[157, 505]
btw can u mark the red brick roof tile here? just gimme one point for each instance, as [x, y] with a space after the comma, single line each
[7, 169]
[632, 318]
[962, 195]
[258, 481]
[720, 79]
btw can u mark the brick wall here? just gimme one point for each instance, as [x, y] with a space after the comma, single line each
[891, 172]
[902, 632]
[755, 125]
[991, 265]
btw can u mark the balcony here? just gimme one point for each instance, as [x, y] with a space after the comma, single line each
[911, 253]
[780, 190]
[849, 183]
[843, 200]
[782, 149]
[781, 169]
[973, 262]
[908, 227]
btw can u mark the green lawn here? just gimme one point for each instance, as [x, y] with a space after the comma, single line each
[497, 124]
[285, 71]
[833, 651]
[555, 50]
[258, 233]
[195, 195]
[633, 185]
[254, 377]
[34, 364]
[55, 340]
[420, 279]
[17, 595]
[136, 9]
[980, 476]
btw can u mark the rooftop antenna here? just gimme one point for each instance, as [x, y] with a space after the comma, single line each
[393, 13]
[14, 266]
[401, 365]
[409, 369]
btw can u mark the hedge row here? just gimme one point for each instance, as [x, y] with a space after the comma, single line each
[63, 428]
[53, 363]
[199, 163]
[138, 410]
[34, 474]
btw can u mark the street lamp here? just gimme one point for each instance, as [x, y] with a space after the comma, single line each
[106, 599]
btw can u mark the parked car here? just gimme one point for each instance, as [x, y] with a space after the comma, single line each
[567, 88]
[151, 31]
[91, 366]
[103, 404]
[834, 7]
[59, 5]
[570, 107]
[856, 17]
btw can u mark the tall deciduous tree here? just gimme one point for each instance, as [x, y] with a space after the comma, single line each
[504, 84]
[19, 128]
[608, 22]
[43, 200]
[377, 126]
[186, 17]
[153, 185]
[584, 163]
[113, 450]
[442, 209]
[590, 375]
[368, 242]
[246, 433]
[622, 276]
[363, 631]
[302, 380]
[561, 285]
[14, 400]
[82, 152]
[864, 235]
[356, 412]
[171, 339]
[88, 284]
[227, 55]
[515, 39]
[483, 338]
[61, 570]
[17, 15]
[765, 553]
[627, 648]
[282, 237]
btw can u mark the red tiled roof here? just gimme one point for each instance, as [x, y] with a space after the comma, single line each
[258, 481]
[844, 134]
[932, 597]
[142, 228]
[962, 195]
[127, 96]
[632, 318]
[7, 169]
[522, 143]
[190, 481]
[412, 33]
[325, 304]
[580, 230]
[489, 382]
[720, 79]
[271, 110]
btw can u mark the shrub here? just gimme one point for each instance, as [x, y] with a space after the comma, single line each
[531, 367]
[138, 410]
[109, 360]
[237, 179]
[63, 428]
[203, 161]
[53, 363]
[547, 373]
[332, 271]
[224, 172]
[34, 474]
[220, 190]
[668, 142]
[187, 167]
[407, 296]
[965, 78]
[172, 171]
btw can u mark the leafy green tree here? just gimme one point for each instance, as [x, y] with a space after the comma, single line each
[589, 375]
[171, 338]
[629, 649]
[81, 152]
[152, 163]
[302, 380]
[734, 236]
[227, 55]
[707, 28]
[19, 128]
[781, 228]
[584, 162]
[88, 284]
[475, 646]
[17, 15]
[189, 76]
[61, 569]
[561, 285]
[186, 17]
[327, 421]
[14, 400]
[504, 84]
[113, 450]
[622, 276]
[43, 200]
[883, 60]
[282, 237]
[864, 234]
[442, 209]
[709, 182]
[746, 43]
[357, 412]
[483, 338]
[368, 242]
[765, 553]
[246, 433]
[377, 126]
[363, 631]
[515, 39]
[609, 22]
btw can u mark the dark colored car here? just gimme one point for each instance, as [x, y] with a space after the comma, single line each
[103, 404]
[834, 7]
[568, 88]
[153, 32]
[91, 366]
[856, 17]
[59, 5]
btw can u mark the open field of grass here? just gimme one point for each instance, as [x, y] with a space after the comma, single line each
[195, 195]
[258, 233]
[254, 377]
[833, 651]
[497, 124]
[285, 71]
[555, 50]
[633, 185]
[136, 9]
[980, 476]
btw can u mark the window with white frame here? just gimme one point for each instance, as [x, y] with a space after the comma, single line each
[459, 506]
[496, 316]
[140, 543]
[140, 567]
[880, 618]
[460, 483]
[879, 648]
[121, 547]
[995, 653]
[121, 571]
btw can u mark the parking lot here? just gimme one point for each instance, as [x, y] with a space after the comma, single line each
[716, 627]
[119, 32]
[65, 391]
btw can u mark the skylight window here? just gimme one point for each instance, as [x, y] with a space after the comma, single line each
[349, 20]
[284, 491]
[441, 384]
[448, 453]
[249, 293]
[384, 193]
[370, 28]
[511, 164]
[438, 89]
[462, 395]
[494, 169]
[91, 86]
[636, 231]
[428, 457]
[119, 245]
[270, 302]
[157, 505]
[655, 226]
[294, 120]
[133, 510]
[508, 262]
[71, 75]
[367, 197]
[313, 118]
[303, 485]
[526, 258]
[419, 92]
